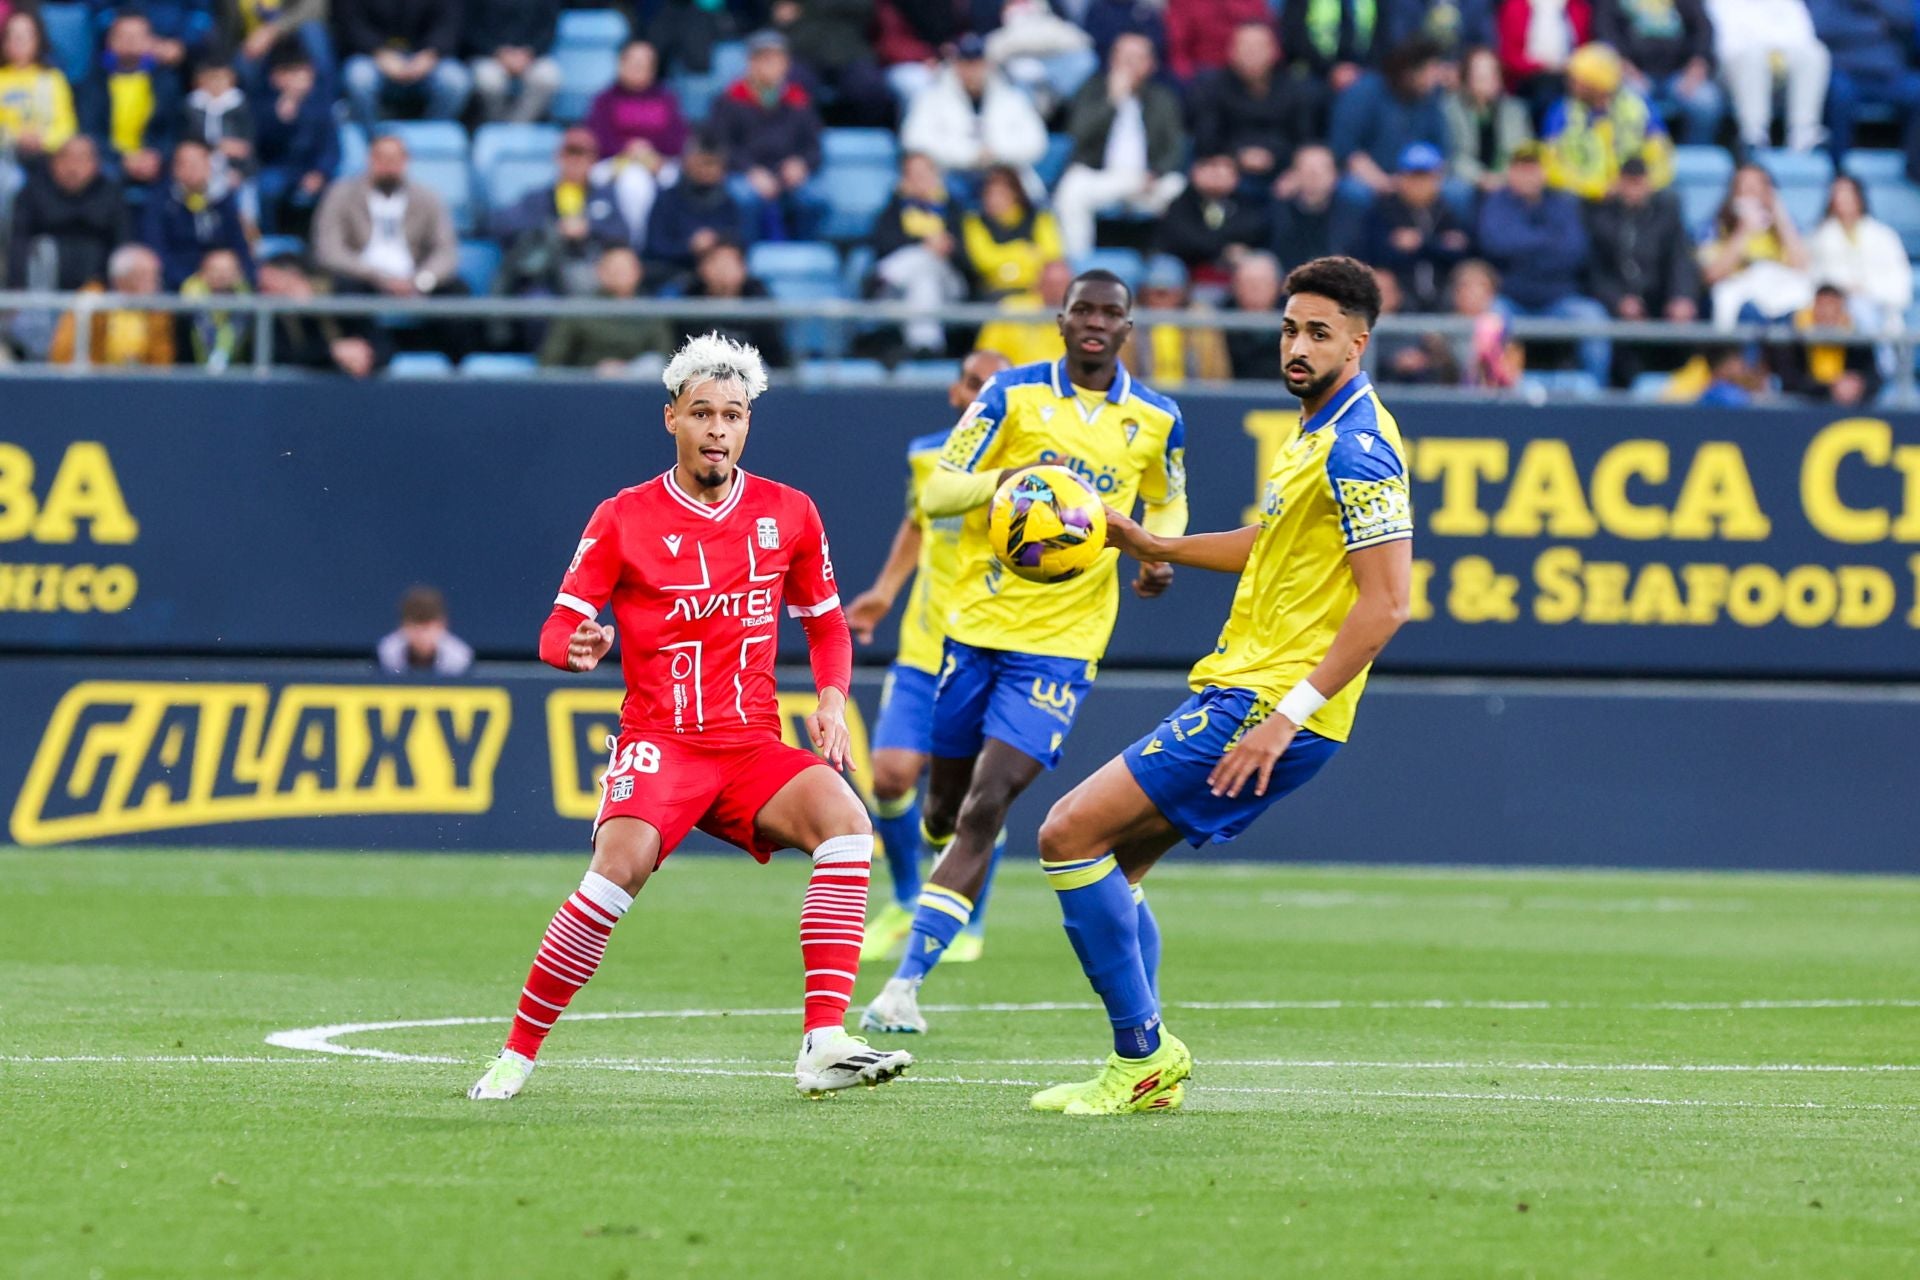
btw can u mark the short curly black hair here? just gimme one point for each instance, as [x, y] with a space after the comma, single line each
[1346, 282]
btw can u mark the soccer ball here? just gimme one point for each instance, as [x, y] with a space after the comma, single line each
[1047, 525]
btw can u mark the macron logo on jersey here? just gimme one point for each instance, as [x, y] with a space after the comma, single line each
[1366, 441]
[580, 553]
[673, 542]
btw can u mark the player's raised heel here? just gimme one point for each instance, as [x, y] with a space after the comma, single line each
[504, 1078]
[895, 1009]
[832, 1060]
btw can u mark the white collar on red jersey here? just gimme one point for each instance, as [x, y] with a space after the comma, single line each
[711, 510]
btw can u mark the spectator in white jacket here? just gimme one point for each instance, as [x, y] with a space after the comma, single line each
[1748, 36]
[1863, 258]
[970, 117]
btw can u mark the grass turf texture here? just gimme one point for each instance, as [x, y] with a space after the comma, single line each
[1311, 1145]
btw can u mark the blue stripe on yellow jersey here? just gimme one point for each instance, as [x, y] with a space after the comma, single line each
[923, 626]
[1338, 485]
[1128, 442]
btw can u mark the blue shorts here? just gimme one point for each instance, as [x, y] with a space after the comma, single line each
[906, 711]
[1171, 765]
[1025, 700]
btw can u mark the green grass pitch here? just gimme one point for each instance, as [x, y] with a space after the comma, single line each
[1400, 1073]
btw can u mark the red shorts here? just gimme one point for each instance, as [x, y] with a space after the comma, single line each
[674, 785]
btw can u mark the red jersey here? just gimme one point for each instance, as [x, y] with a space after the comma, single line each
[696, 590]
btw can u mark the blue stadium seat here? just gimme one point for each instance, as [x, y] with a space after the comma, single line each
[1054, 163]
[841, 373]
[1877, 166]
[429, 139]
[273, 246]
[926, 373]
[1897, 204]
[859, 146]
[697, 90]
[815, 337]
[1700, 176]
[1649, 386]
[854, 271]
[419, 364]
[584, 72]
[450, 179]
[590, 27]
[512, 178]
[1124, 263]
[795, 260]
[493, 143]
[70, 40]
[1796, 168]
[353, 150]
[856, 193]
[499, 364]
[479, 263]
[1560, 382]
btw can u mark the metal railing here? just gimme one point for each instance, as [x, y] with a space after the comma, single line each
[852, 315]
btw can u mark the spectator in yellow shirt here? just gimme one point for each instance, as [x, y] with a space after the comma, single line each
[1031, 331]
[122, 337]
[1599, 125]
[1162, 354]
[36, 104]
[1009, 241]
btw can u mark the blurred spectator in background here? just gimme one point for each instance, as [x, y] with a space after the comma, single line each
[1305, 207]
[1108, 20]
[1164, 354]
[916, 241]
[1412, 234]
[1484, 122]
[214, 340]
[1668, 49]
[132, 105]
[217, 114]
[606, 344]
[1536, 240]
[1750, 37]
[185, 220]
[423, 645]
[379, 232]
[1200, 33]
[297, 144]
[1725, 376]
[122, 337]
[1384, 113]
[181, 28]
[969, 117]
[1643, 267]
[509, 46]
[1495, 359]
[771, 135]
[685, 31]
[1872, 45]
[36, 103]
[1210, 225]
[554, 235]
[266, 27]
[1249, 108]
[1040, 51]
[1413, 359]
[1827, 372]
[1598, 125]
[1454, 25]
[1030, 331]
[1862, 257]
[1756, 264]
[321, 343]
[908, 38]
[1009, 240]
[1255, 291]
[1331, 42]
[692, 215]
[828, 40]
[404, 54]
[1128, 144]
[1534, 39]
[66, 221]
[636, 123]
[722, 273]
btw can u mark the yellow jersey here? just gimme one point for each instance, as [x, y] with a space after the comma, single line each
[923, 628]
[37, 100]
[1339, 485]
[1128, 442]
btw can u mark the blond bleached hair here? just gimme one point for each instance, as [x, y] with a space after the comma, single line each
[710, 357]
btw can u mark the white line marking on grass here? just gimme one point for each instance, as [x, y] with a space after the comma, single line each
[195, 1058]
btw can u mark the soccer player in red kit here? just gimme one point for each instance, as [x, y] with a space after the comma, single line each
[695, 563]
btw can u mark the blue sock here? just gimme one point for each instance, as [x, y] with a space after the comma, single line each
[897, 823]
[940, 917]
[1149, 941]
[977, 922]
[1097, 906]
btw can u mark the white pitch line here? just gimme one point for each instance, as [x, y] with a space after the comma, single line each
[194, 1058]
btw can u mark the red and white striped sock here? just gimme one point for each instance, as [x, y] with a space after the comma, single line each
[568, 956]
[832, 918]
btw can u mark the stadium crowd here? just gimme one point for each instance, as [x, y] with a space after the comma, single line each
[1491, 159]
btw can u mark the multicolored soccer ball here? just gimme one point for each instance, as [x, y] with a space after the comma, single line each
[1047, 525]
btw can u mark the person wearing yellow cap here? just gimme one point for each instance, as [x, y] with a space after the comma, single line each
[1599, 125]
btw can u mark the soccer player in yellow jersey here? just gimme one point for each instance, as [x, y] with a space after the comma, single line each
[1019, 656]
[1324, 583]
[927, 551]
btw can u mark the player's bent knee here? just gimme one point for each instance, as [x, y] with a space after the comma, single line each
[894, 777]
[1062, 838]
[625, 851]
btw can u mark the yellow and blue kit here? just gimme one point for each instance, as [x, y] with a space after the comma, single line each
[906, 700]
[1020, 655]
[1338, 486]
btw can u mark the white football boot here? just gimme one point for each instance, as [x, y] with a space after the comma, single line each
[504, 1078]
[896, 1008]
[831, 1060]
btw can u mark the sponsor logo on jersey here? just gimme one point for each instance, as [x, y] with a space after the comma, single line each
[1103, 480]
[766, 532]
[673, 543]
[751, 607]
[122, 757]
[1056, 699]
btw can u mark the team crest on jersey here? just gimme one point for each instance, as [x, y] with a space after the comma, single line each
[673, 542]
[1132, 429]
[767, 533]
[580, 553]
[622, 789]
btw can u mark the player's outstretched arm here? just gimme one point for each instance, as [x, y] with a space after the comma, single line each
[1225, 552]
[873, 604]
[573, 643]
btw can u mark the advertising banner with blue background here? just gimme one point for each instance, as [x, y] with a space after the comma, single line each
[266, 518]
